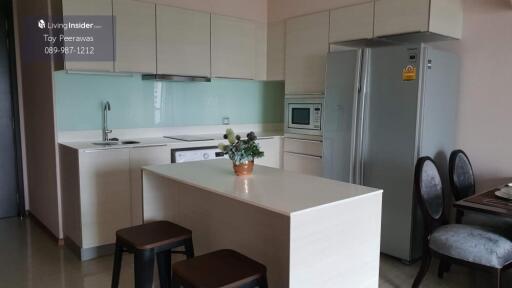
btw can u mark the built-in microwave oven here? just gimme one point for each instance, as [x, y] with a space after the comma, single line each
[303, 116]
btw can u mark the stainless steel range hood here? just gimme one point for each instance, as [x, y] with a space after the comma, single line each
[175, 78]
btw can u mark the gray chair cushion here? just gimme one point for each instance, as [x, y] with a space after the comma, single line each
[473, 244]
[500, 225]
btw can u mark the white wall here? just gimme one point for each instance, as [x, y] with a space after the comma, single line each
[485, 105]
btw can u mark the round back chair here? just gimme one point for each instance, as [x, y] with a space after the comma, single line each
[462, 180]
[429, 192]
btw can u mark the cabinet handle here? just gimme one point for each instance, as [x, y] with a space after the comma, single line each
[304, 155]
[148, 145]
[104, 149]
[302, 94]
[303, 140]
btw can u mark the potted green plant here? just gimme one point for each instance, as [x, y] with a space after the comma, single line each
[241, 151]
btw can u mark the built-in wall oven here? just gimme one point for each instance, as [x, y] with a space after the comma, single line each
[303, 116]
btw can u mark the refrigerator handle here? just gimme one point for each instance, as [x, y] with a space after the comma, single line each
[360, 117]
[354, 151]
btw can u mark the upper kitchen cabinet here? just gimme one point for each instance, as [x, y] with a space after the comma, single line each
[135, 36]
[183, 41]
[233, 47]
[90, 8]
[260, 42]
[351, 23]
[275, 50]
[307, 44]
[406, 16]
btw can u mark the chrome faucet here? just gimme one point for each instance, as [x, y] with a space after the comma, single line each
[106, 131]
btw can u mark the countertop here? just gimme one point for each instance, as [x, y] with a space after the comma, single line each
[160, 141]
[270, 188]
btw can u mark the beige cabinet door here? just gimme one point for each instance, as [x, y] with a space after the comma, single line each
[89, 8]
[183, 41]
[233, 47]
[104, 195]
[273, 149]
[351, 23]
[307, 44]
[401, 16]
[261, 50]
[446, 17]
[140, 157]
[275, 50]
[304, 164]
[135, 36]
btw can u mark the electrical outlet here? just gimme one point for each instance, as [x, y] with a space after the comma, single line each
[225, 121]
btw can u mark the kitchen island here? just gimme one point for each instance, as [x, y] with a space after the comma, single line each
[308, 231]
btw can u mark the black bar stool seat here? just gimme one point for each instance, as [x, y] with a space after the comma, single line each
[222, 268]
[145, 241]
[152, 235]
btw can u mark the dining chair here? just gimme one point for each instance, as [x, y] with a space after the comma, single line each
[462, 182]
[462, 179]
[473, 246]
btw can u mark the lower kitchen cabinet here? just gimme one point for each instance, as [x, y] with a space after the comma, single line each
[102, 193]
[272, 147]
[303, 156]
[304, 164]
[140, 157]
[95, 198]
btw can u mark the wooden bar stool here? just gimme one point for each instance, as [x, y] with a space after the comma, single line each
[146, 240]
[223, 268]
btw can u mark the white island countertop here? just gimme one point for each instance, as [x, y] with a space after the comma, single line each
[269, 188]
[308, 231]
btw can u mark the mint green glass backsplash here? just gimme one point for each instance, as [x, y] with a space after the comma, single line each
[147, 104]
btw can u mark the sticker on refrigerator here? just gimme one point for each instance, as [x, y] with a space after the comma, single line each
[409, 73]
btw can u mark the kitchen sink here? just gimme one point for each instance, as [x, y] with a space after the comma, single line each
[130, 142]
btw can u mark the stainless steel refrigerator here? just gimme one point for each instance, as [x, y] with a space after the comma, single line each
[384, 108]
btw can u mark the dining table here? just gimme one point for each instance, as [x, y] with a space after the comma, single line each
[486, 202]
